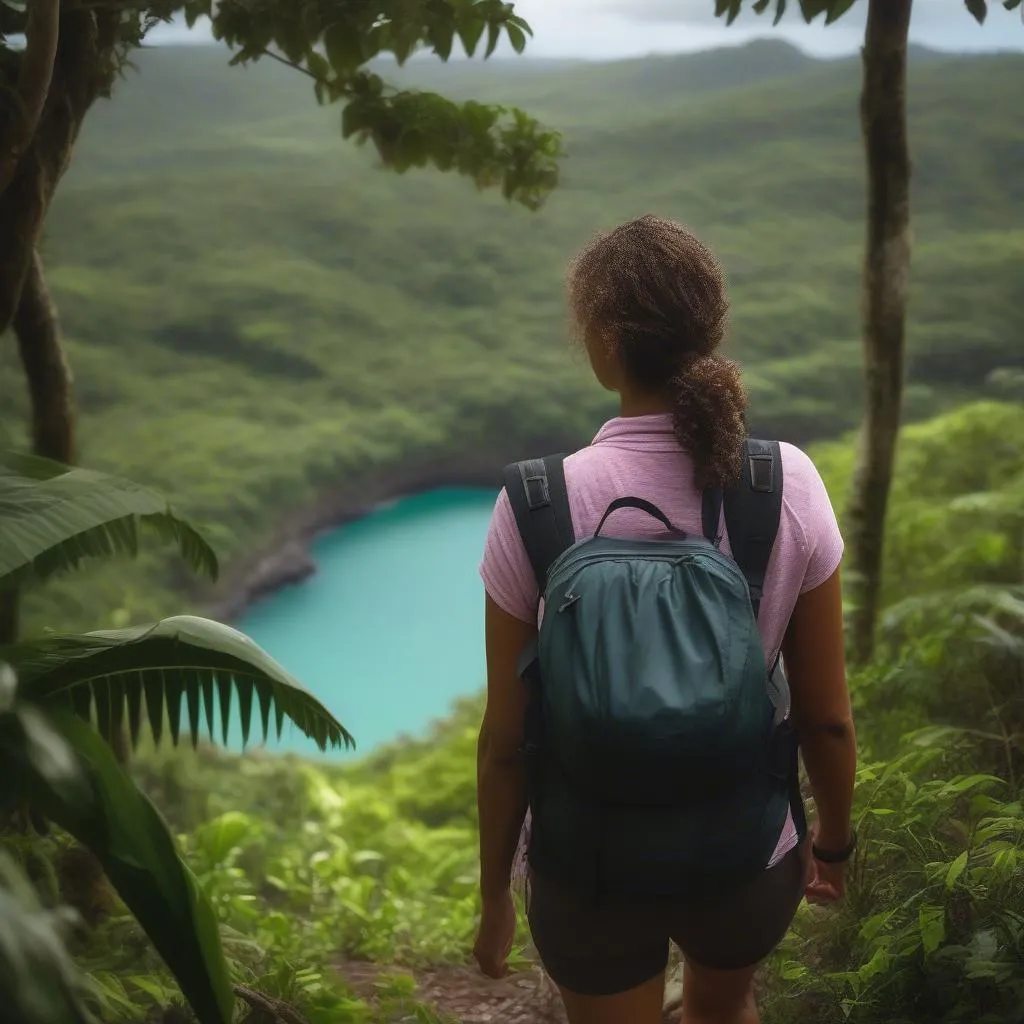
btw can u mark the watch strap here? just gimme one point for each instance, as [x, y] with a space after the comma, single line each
[835, 856]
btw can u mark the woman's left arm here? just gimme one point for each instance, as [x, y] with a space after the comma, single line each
[501, 777]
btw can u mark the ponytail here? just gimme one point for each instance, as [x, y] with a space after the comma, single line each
[709, 402]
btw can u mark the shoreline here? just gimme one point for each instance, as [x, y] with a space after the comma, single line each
[285, 559]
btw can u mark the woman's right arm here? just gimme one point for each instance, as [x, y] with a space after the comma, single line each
[813, 650]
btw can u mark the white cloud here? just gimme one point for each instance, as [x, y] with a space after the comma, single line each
[665, 25]
[601, 29]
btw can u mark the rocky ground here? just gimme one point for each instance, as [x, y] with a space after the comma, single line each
[462, 995]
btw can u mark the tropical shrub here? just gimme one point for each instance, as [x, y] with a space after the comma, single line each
[52, 757]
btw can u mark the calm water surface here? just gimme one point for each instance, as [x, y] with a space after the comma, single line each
[389, 631]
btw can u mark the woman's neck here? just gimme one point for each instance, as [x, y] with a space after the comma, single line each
[634, 404]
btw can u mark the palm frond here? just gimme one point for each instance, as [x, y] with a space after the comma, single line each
[52, 517]
[109, 674]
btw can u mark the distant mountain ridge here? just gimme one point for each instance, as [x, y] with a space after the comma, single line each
[243, 290]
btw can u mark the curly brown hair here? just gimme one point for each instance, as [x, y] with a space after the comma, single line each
[656, 294]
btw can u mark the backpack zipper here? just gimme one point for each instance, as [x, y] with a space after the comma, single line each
[712, 557]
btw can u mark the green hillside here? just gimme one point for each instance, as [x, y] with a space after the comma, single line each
[255, 312]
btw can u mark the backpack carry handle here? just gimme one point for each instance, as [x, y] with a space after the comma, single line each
[639, 503]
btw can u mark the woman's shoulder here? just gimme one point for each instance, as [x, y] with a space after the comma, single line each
[802, 483]
[797, 462]
[812, 519]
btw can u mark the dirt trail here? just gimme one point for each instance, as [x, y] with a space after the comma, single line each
[461, 993]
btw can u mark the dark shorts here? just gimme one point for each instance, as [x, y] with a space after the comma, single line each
[602, 947]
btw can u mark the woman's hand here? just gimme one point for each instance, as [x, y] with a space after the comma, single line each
[826, 883]
[494, 937]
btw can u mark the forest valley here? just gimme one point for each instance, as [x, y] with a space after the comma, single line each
[219, 344]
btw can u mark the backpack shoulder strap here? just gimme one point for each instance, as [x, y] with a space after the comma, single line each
[536, 491]
[753, 508]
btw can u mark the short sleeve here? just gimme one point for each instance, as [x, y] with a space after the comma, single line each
[505, 567]
[817, 518]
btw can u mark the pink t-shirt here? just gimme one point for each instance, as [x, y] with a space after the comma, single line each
[640, 456]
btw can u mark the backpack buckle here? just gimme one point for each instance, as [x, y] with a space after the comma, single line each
[762, 473]
[538, 494]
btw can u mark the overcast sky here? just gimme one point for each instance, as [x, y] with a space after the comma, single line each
[599, 29]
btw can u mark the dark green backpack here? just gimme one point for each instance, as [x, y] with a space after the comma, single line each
[659, 755]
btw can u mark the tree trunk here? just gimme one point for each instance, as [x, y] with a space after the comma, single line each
[82, 70]
[47, 373]
[883, 113]
[34, 75]
[49, 385]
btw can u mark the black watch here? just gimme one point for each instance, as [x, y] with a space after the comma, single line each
[835, 856]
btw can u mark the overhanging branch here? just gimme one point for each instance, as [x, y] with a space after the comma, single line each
[290, 64]
[41, 32]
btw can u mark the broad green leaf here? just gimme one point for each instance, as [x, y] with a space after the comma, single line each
[516, 37]
[183, 656]
[520, 23]
[978, 8]
[318, 67]
[217, 838]
[132, 842]
[931, 922]
[832, 9]
[792, 970]
[878, 964]
[493, 35]
[470, 31]
[956, 869]
[758, 7]
[344, 48]
[291, 39]
[874, 924]
[836, 9]
[966, 782]
[810, 9]
[52, 517]
[442, 37]
[404, 44]
[39, 981]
